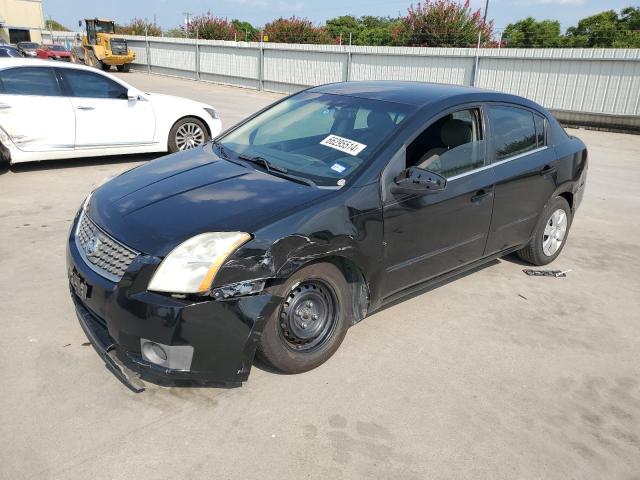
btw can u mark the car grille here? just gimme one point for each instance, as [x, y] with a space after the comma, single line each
[103, 254]
[118, 46]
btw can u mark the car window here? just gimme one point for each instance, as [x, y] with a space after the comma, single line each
[29, 81]
[92, 85]
[513, 130]
[541, 139]
[451, 146]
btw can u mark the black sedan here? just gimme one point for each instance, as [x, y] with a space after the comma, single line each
[28, 49]
[305, 218]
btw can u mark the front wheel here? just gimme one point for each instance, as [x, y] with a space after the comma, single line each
[187, 133]
[124, 68]
[310, 323]
[550, 234]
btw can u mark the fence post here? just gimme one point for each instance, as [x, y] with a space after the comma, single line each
[476, 63]
[261, 65]
[146, 41]
[197, 65]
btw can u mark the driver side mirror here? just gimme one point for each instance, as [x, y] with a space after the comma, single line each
[417, 181]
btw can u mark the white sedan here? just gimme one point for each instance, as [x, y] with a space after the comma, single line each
[51, 111]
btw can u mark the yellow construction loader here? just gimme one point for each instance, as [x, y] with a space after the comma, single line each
[99, 47]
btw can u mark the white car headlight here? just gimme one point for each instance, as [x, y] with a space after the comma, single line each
[192, 265]
[213, 113]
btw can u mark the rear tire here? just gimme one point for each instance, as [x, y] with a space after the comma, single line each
[550, 234]
[310, 323]
[124, 68]
[187, 133]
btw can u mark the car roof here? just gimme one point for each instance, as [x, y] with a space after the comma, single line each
[419, 94]
[34, 62]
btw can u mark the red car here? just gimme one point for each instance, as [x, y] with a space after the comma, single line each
[54, 52]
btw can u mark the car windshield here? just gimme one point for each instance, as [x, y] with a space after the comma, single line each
[58, 48]
[28, 45]
[320, 137]
[104, 27]
[10, 52]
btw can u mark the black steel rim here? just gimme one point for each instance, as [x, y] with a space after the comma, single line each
[308, 316]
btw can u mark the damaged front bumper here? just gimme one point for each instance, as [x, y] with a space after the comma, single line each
[120, 318]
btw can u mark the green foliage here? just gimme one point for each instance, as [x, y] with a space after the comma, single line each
[367, 30]
[55, 26]
[530, 33]
[246, 31]
[607, 30]
[138, 26]
[442, 23]
[296, 30]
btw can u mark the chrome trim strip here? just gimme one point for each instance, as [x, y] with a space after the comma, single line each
[515, 157]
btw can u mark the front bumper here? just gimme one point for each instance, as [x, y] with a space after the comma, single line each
[116, 316]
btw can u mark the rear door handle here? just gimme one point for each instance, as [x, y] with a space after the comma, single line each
[4, 106]
[85, 108]
[548, 170]
[481, 195]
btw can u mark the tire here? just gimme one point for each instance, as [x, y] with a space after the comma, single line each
[310, 323]
[124, 68]
[550, 234]
[104, 66]
[92, 60]
[187, 133]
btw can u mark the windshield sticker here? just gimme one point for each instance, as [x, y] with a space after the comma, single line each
[336, 167]
[343, 144]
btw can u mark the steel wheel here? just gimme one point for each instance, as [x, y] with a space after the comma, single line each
[308, 316]
[554, 232]
[189, 135]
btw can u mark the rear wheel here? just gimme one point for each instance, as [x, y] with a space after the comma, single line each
[187, 133]
[310, 323]
[124, 68]
[550, 234]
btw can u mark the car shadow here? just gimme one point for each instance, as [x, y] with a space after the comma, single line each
[78, 162]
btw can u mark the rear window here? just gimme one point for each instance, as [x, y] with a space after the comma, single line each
[514, 131]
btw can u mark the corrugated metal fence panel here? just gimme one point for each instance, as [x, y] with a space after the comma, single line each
[453, 70]
[290, 70]
[140, 48]
[230, 64]
[173, 58]
[589, 86]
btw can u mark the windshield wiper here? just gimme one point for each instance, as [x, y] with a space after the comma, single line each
[276, 169]
[224, 154]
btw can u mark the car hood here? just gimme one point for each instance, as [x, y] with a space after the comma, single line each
[155, 207]
[171, 100]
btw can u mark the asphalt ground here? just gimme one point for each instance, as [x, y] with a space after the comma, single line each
[495, 375]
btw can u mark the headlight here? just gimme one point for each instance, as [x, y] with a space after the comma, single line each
[192, 265]
[212, 112]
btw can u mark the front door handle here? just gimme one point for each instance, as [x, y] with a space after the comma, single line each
[481, 195]
[85, 108]
[548, 170]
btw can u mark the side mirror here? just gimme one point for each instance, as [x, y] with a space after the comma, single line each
[132, 95]
[417, 181]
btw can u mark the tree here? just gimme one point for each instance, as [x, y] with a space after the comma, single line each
[210, 27]
[530, 33]
[367, 30]
[138, 26]
[442, 23]
[599, 30]
[55, 26]
[246, 31]
[297, 30]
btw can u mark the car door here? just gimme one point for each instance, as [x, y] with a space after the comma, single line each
[34, 112]
[525, 171]
[431, 234]
[105, 117]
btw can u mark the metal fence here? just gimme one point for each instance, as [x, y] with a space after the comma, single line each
[593, 87]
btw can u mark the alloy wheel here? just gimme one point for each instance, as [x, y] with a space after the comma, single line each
[189, 135]
[554, 232]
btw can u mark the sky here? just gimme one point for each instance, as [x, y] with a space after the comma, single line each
[169, 13]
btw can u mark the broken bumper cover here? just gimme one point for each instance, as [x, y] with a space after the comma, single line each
[117, 318]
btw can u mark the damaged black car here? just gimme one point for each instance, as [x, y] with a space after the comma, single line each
[300, 221]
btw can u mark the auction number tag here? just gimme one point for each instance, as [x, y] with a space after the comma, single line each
[343, 144]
